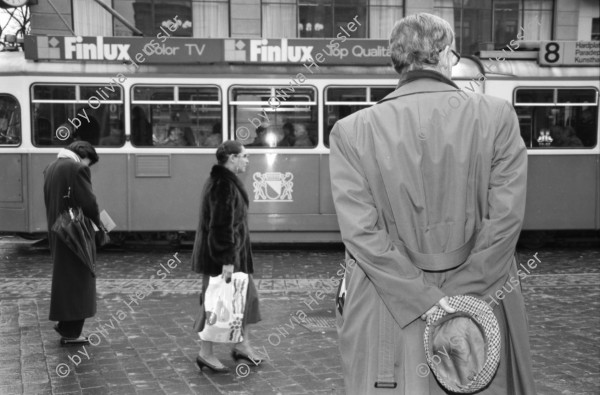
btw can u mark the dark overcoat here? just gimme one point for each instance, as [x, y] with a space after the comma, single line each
[223, 237]
[73, 295]
[430, 169]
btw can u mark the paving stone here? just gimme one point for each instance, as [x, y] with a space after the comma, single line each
[152, 349]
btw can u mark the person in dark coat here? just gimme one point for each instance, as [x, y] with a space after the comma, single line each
[73, 294]
[222, 244]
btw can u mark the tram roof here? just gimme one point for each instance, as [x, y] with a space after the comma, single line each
[14, 63]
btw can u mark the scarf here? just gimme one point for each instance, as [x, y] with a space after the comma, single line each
[67, 153]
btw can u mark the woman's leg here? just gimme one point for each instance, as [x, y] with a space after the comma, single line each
[244, 349]
[70, 329]
[206, 354]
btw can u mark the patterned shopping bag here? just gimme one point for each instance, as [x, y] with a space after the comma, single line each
[224, 305]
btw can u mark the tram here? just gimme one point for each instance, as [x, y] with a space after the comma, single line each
[156, 131]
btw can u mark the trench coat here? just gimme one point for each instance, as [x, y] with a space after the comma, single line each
[423, 173]
[73, 293]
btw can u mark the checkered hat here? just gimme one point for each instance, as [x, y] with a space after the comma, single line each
[463, 348]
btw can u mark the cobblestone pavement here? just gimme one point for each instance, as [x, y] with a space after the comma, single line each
[146, 346]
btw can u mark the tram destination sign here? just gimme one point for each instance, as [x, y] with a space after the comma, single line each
[179, 50]
[569, 53]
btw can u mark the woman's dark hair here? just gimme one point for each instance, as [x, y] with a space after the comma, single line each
[84, 150]
[229, 147]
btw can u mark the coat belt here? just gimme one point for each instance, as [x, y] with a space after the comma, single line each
[444, 260]
[431, 262]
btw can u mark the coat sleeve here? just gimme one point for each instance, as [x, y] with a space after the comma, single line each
[221, 232]
[488, 266]
[399, 283]
[84, 195]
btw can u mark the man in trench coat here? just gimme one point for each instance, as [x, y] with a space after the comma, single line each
[73, 293]
[429, 188]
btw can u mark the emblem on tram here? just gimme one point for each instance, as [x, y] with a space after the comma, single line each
[273, 187]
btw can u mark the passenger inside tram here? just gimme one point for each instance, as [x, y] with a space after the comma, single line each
[289, 137]
[141, 129]
[116, 137]
[302, 138]
[176, 138]
[89, 130]
[564, 136]
[216, 136]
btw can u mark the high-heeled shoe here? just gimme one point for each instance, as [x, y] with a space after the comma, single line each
[202, 363]
[236, 354]
[65, 341]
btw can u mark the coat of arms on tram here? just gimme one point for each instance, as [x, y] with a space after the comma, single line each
[273, 186]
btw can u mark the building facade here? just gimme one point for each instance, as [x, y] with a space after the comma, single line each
[479, 24]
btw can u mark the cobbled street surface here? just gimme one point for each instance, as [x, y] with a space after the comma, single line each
[150, 348]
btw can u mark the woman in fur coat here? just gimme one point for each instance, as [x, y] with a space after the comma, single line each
[222, 244]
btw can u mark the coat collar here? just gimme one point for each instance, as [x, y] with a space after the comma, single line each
[219, 171]
[421, 81]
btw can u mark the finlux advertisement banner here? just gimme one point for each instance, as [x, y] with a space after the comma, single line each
[177, 50]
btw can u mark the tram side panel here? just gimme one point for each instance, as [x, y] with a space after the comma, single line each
[109, 180]
[562, 181]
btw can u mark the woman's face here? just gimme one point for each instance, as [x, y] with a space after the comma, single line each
[176, 134]
[241, 161]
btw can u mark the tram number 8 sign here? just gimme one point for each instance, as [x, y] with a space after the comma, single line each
[551, 54]
[569, 53]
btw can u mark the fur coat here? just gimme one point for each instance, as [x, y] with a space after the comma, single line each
[223, 236]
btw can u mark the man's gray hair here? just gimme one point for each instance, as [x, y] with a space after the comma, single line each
[416, 41]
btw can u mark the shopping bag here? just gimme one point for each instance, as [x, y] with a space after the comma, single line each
[224, 306]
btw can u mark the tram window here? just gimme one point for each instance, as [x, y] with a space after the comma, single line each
[10, 121]
[278, 116]
[153, 93]
[54, 92]
[101, 92]
[379, 93]
[64, 113]
[343, 101]
[176, 116]
[570, 121]
[534, 96]
[577, 96]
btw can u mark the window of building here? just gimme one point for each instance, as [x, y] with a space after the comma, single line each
[492, 24]
[323, 18]
[596, 29]
[258, 119]
[557, 117]
[383, 14]
[90, 19]
[64, 113]
[10, 120]
[343, 101]
[149, 15]
[279, 19]
[211, 18]
[176, 116]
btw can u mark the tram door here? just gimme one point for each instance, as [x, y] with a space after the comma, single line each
[278, 125]
[12, 167]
